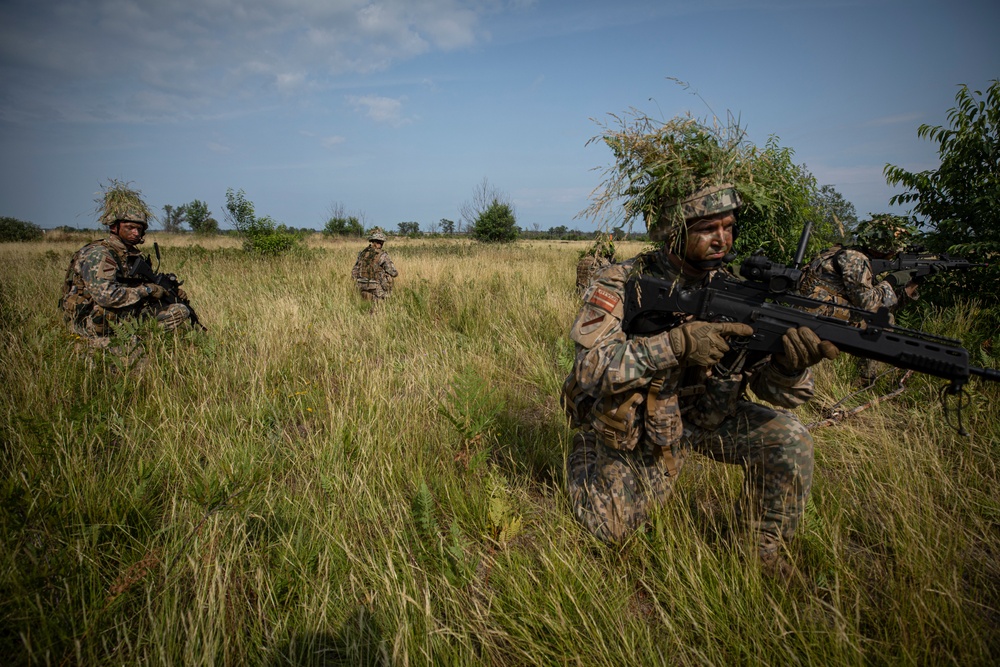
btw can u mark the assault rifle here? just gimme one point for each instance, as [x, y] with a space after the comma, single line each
[141, 269]
[920, 265]
[764, 299]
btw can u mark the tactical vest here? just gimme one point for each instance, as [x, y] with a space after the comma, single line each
[369, 269]
[76, 302]
[824, 285]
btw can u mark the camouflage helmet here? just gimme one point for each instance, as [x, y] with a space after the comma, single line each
[128, 215]
[376, 235]
[885, 233]
[703, 203]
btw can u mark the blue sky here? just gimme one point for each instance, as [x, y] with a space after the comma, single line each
[397, 110]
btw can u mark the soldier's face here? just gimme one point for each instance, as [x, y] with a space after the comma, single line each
[377, 244]
[710, 238]
[131, 233]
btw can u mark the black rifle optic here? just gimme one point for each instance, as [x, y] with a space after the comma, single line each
[141, 269]
[653, 305]
[920, 265]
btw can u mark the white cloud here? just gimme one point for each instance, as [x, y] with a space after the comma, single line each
[73, 54]
[380, 109]
[331, 141]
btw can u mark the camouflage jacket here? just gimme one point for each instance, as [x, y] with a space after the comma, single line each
[843, 277]
[631, 387]
[97, 279]
[374, 271]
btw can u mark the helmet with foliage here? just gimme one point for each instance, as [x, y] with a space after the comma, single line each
[119, 202]
[702, 203]
[603, 246]
[885, 233]
[376, 234]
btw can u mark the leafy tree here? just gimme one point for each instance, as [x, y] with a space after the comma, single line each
[173, 219]
[489, 215]
[260, 234]
[836, 213]
[959, 202]
[12, 229]
[409, 229]
[447, 226]
[342, 224]
[199, 218]
[558, 232]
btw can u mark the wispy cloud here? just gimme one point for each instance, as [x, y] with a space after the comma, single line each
[387, 110]
[201, 55]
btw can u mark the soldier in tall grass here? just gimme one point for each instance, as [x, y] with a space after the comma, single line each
[374, 271]
[642, 402]
[98, 291]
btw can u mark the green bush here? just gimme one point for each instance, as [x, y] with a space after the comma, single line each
[343, 225]
[496, 224]
[261, 236]
[12, 229]
[960, 200]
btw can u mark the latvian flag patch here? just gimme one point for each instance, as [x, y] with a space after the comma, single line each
[604, 299]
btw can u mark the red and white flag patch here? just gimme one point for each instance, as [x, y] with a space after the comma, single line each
[604, 299]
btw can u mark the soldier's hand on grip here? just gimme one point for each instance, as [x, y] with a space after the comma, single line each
[181, 294]
[704, 343]
[155, 291]
[803, 349]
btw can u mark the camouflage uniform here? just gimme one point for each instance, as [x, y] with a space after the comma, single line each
[373, 272]
[639, 413]
[843, 277]
[97, 293]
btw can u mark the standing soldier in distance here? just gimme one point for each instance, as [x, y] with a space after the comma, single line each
[642, 402]
[98, 291]
[374, 271]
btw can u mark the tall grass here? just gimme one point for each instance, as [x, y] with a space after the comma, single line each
[310, 483]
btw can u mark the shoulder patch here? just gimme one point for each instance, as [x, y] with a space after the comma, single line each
[604, 299]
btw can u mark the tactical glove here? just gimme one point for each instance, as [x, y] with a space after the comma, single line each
[803, 349]
[898, 278]
[181, 294]
[155, 291]
[704, 343]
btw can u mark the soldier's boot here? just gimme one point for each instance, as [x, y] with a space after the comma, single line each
[773, 562]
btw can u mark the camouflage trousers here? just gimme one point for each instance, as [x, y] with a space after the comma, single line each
[613, 491]
[99, 324]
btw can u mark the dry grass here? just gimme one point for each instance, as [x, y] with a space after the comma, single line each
[290, 489]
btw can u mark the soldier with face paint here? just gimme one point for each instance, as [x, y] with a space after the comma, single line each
[643, 403]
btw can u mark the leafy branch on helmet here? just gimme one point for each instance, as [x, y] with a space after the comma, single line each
[118, 198]
[658, 164]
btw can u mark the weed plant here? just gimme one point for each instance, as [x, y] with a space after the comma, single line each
[310, 482]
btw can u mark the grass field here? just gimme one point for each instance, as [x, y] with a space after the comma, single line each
[308, 483]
